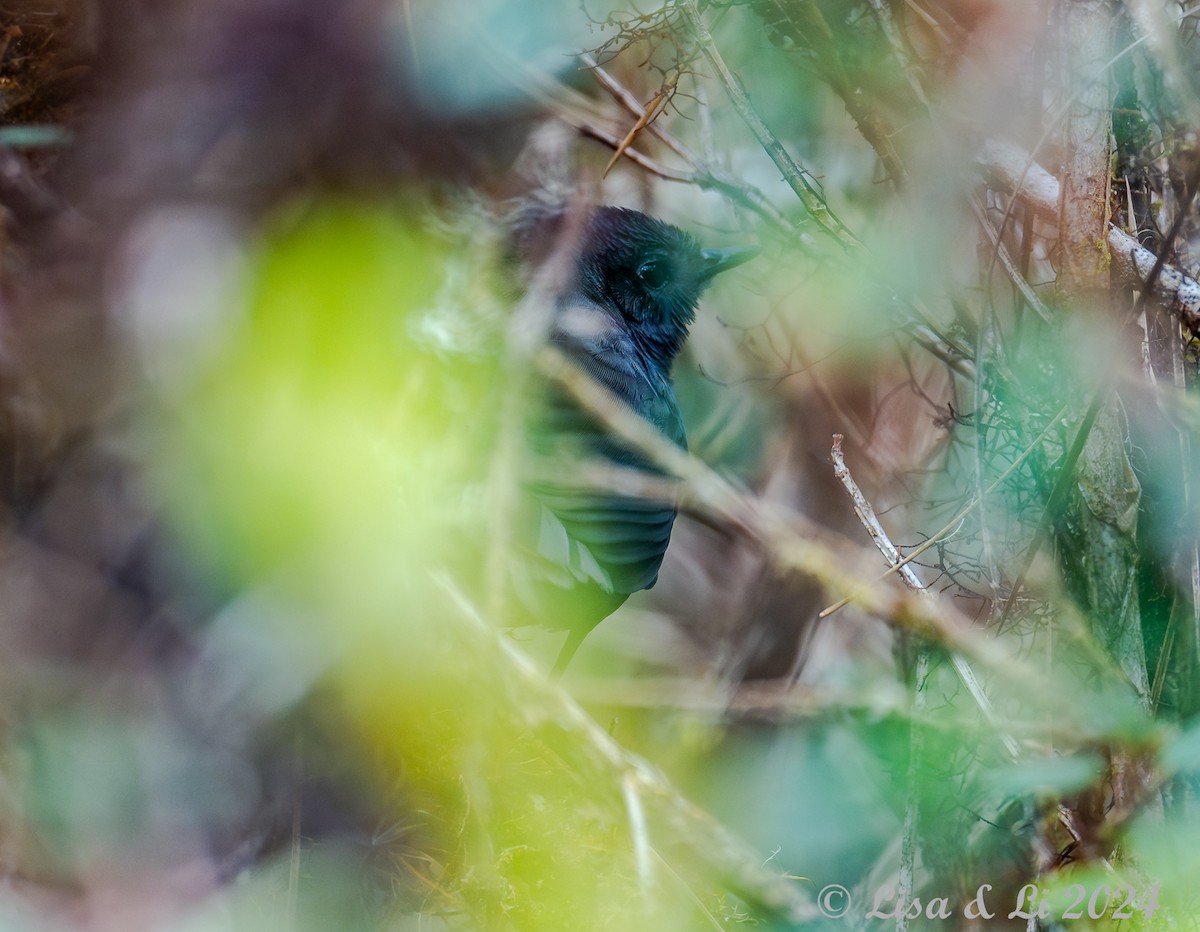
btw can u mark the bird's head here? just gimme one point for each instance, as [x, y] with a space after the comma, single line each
[650, 271]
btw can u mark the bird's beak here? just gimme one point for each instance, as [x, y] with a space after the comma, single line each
[718, 260]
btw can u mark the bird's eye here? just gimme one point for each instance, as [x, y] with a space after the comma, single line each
[654, 274]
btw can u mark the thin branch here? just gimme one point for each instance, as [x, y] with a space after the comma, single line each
[891, 553]
[592, 750]
[866, 514]
[807, 25]
[1012, 167]
[657, 102]
[704, 173]
[887, 24]
[951, 525]
[1010, 269]
[792, 542]
[797, 178]
[592, 131]
[626, 99]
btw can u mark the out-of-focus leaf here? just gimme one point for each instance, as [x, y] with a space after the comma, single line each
[1050, 776]
[103, 789]
[34, 137]
[1182, 754]
[325, 427]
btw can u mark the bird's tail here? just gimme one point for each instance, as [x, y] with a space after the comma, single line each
[574, 638]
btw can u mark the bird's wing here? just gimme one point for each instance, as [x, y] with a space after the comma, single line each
[599, 343]
[613, 541]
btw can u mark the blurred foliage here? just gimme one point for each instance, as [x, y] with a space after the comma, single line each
[326, 423]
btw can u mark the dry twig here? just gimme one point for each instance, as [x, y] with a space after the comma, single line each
[866, 514]
[792, 542]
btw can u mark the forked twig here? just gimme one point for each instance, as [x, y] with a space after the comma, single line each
[704, 174]
[866, 514]
[792, 542]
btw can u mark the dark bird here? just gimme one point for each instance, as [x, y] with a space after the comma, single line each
[622, 317]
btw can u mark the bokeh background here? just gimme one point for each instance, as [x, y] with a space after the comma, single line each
[264, 356]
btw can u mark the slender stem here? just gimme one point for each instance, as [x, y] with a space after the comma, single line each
[866, 514]
[797, 178]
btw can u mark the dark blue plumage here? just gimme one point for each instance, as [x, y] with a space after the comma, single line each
[623, 318]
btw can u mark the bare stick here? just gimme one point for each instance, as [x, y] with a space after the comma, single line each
[808, 25]
[642, 161]
[1006, 262]
[955, 521]
[644, 119]
[866, 514]
[626, 99]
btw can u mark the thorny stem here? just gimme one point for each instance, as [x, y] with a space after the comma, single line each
[797, 178]
[651, 165]
[703, 174]
[657, 102]
[634, 106]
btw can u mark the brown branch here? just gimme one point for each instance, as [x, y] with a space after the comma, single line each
[592, 131]
[648, 113]
[1010, 268]
[626, 99]
[1013, 168]
[790, 541]
[703, 174]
